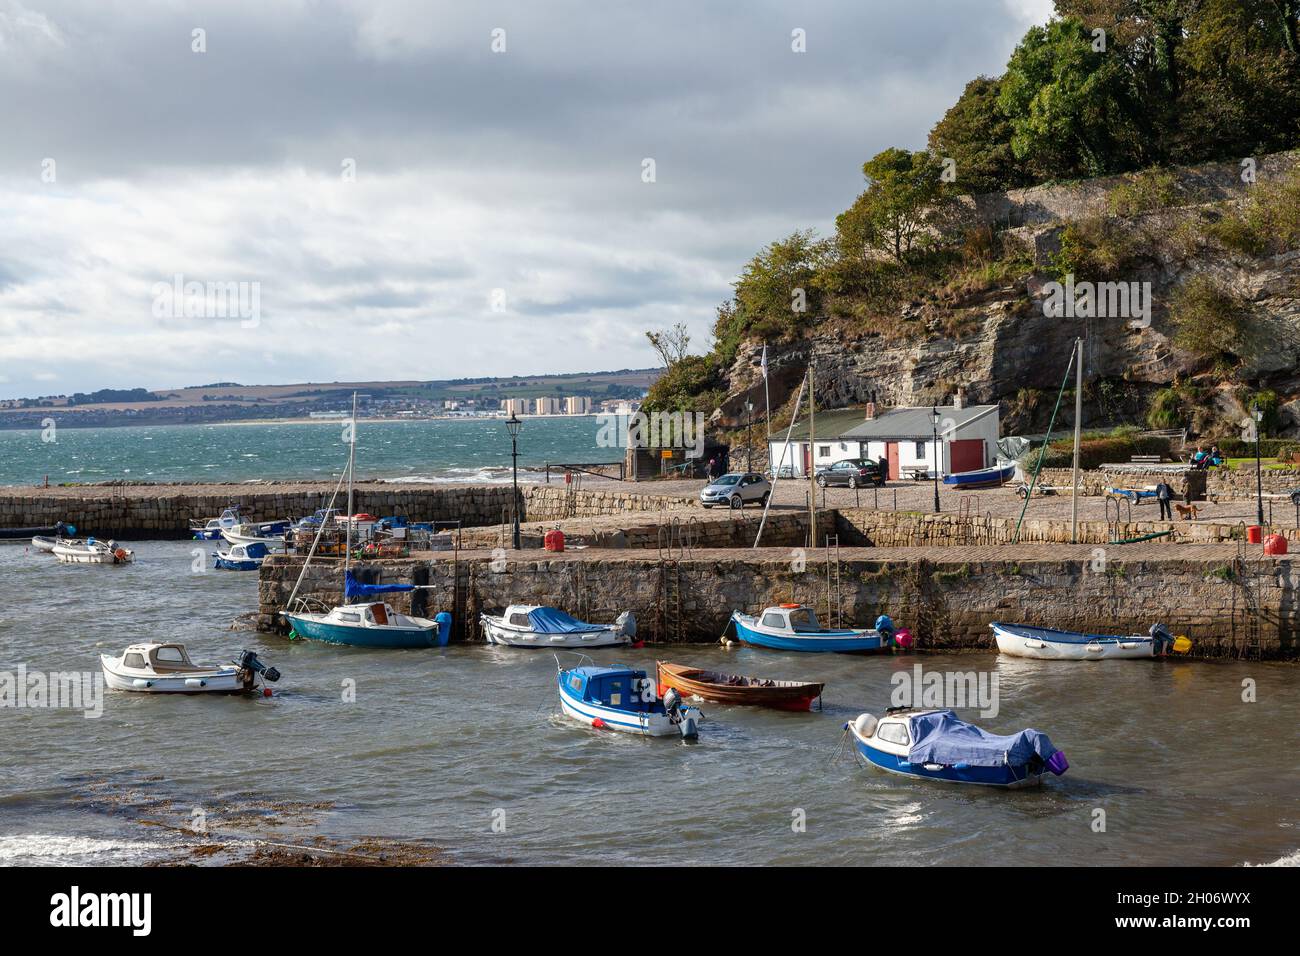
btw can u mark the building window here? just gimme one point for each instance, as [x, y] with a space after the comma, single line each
[920, 449]
[823, 451]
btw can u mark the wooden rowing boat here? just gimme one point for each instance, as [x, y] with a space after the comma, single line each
[734, 689]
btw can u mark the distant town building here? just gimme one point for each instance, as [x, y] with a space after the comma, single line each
[577, 405]
[515, 406]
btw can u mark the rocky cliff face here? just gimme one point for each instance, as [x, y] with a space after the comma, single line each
[1013, 352]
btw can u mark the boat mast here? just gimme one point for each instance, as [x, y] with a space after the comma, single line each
[812, 452]
[352, 459]
[1078, 421]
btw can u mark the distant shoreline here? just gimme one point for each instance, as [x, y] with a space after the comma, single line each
[71, 424]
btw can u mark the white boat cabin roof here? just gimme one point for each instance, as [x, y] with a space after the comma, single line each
[155, 652]
[797, 618]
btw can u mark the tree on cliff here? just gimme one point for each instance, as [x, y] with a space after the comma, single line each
[976, 135]
[671, 345]
[895, 215]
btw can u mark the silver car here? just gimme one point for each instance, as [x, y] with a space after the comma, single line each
[736, 489]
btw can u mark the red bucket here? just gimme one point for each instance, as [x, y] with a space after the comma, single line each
[1254, 534]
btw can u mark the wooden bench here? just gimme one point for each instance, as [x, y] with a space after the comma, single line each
[915, 472]
[1145, 460]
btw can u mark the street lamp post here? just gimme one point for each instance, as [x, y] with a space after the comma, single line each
[512, 426]
[1258, 416]
[934, 419]
[749, 436]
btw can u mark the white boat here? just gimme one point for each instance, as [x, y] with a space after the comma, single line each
[155, 668]
[92, 551]
[627, 700]
[1050, 644]
[211, 529]
[47, 544]
[251, 534]
[528, 625]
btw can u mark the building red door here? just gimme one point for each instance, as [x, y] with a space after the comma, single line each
[965, 454]
[891, 456]
[807, 459]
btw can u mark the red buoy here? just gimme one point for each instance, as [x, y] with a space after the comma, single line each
[266, 692]
[598, 723]
[1275, 544]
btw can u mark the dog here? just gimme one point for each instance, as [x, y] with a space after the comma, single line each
[1187, 511]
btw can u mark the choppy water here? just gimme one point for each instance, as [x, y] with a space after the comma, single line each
[443, 450]
[438, 740]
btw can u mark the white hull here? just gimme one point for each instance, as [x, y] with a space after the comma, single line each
[221, 680]
[45, 544]
[645, 725]
[498, 632]
[81, 554]
[234, 537]
[1014, 645]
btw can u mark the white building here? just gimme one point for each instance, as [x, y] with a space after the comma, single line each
[577, 405]
[515, 406]
[900, 438]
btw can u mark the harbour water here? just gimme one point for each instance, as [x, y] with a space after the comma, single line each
[462, 748]
[439, 450]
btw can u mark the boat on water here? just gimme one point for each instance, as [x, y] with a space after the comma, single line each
[364, 622]
[624, 699]
[18, 534]
[263, 534]
[938, 745]
[734, 689]
[240, 557]
[1051, 644]
[211, 529]
[529, 625]
[92, 551]
[794, 627]
[981, 477]
[63, 533]
[166, 668]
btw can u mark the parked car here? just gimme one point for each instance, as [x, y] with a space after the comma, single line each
[736, 489]
[852, 472]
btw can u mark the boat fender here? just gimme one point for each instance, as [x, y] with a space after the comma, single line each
[1057, 763]
[903, 638]
[865, 725]
[444, 628]
[626, 623]
[141, 682]
[597, 723]
[195, 682]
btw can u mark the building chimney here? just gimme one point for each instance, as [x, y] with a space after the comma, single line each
[959, 400]
[871, 410]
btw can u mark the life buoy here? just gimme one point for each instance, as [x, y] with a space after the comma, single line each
[120, 554]
[791, 605]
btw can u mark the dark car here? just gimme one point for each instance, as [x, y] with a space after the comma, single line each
[853, 473]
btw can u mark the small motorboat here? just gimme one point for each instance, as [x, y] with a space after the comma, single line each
[528, 625]
[937, 745]
[211, 529]
[166, 668]
[368, 623]
[794, 627]
[59, 530]
[92, 551]
[624, 699]
[1048, 643]
[240, 557]
[734, 689]
[62, 533]
[264, 534]
[1135, 495]
[981, 477]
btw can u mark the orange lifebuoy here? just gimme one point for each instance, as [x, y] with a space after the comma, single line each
[791, 605]
[120, 554]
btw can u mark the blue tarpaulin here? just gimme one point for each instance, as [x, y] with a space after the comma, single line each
[353, 588]
[941, 737]
[549, 620]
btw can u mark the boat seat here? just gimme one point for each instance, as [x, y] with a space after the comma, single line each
[379, 614]
[172, 667]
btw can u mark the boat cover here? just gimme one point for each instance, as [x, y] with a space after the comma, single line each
[941, 737]
[549, 620]
[353, 588]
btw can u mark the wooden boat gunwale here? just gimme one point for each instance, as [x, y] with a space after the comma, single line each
[782, 692]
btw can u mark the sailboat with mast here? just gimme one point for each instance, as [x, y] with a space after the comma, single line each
[360, 621]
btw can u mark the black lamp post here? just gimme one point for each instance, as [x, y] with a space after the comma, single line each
[934, 419]
[749, 436]
[512, 425]
[1258, 416]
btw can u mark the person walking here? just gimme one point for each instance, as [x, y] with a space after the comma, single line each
[1164, 494]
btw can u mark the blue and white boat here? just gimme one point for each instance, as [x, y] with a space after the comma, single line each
[1048, 643]
[794, 627]
[624, 699]
[981, 477]
[528, 625]
[938, 745]
[240, 557]
[211, 529]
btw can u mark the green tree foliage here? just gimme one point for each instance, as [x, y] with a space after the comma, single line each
[895, 215]
[1211, 320]
[976, 135]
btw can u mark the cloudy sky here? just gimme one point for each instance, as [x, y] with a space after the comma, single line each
[408, 202]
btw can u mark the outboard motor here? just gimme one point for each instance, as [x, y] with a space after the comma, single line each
[885, 625]
[686, 718]
[626, 623]
[248, 661]
[1163, 640]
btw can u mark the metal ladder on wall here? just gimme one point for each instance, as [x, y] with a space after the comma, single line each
[572, 485]
[675, 541]
[834, 587]
[1247, 579]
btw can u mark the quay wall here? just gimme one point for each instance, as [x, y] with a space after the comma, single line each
[947, 597]
[1220, 482]
[165, 511]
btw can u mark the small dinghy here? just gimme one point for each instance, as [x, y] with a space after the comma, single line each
[62, 534]
[264, 534]
[211, 529]
[240, 557]
[1047, 643]
[794, 627]
[155, 668]
[981, 477]
[937, 745]
[92, 551]
[734, 689]
[624, 699]
[527, 625]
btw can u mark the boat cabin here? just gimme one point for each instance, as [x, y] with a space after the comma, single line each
[160, 659]
[622, 688]
[377, 614]
[795, 619]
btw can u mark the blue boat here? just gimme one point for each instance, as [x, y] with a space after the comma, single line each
[624, 699]
[240, 557]
[794, 627]
[1135, 495]
[368, 623]
[1049, 643]
[981, 477]
[938, 745]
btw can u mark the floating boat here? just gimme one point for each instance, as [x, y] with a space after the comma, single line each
[937, 745]
[211, 529]
[17, 534]
[92, 551]
[528, 625]
[263, 534]
[157, 668]
[240, 557]
[1048, 643]
[624, 699]
[794, 627]
[62, 535]
[734, 689]
[981, 477]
